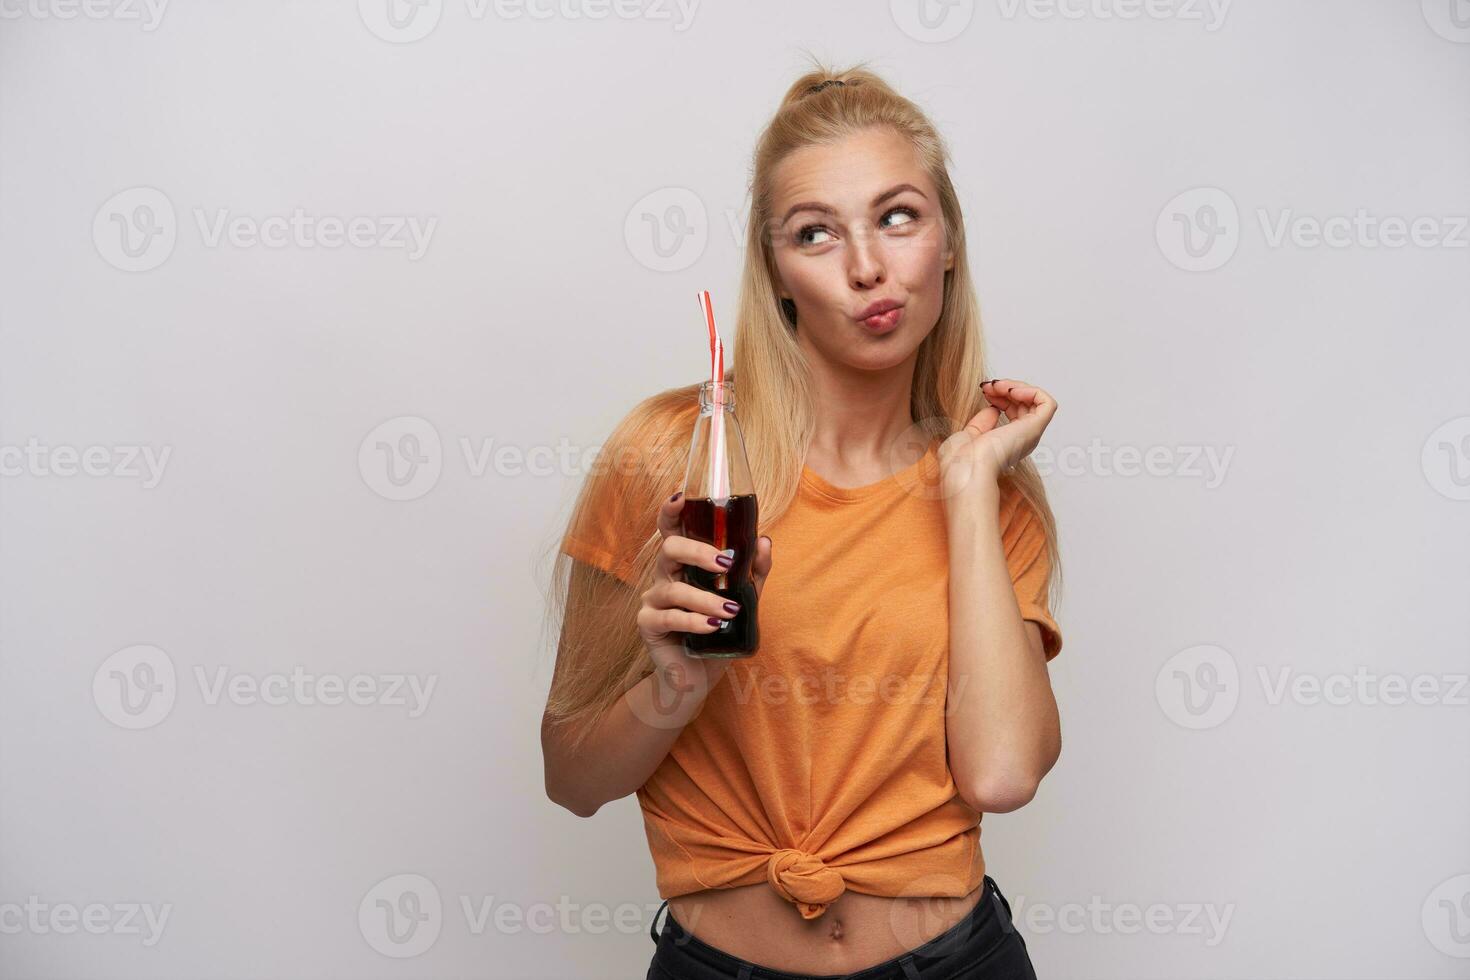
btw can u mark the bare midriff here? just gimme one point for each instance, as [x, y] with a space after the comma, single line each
[856, 931]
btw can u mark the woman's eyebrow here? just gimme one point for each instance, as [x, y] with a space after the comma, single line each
[827, 208]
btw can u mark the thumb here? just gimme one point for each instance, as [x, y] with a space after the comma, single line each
[985, 420]
[761, 566]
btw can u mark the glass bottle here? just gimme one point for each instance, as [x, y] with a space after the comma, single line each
[720, 509]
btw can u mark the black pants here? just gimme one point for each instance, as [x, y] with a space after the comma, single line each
[985, 945]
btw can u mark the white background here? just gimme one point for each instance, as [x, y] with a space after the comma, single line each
[540, 147]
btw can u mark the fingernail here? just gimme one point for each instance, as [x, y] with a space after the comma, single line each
[732, 607]
[716, 621]
[724, 561]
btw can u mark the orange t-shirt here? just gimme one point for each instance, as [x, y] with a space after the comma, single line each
[819, 764]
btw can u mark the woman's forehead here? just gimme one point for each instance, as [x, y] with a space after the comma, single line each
[849, 173]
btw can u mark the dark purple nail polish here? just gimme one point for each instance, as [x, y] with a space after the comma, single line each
[675, 497]
[715, 621]
[732, 607]
[724, 561]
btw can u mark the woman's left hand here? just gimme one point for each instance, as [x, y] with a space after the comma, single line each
[986, 448]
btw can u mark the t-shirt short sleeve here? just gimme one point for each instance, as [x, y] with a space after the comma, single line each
[604, 531]
[1024, 538]
[616, 512]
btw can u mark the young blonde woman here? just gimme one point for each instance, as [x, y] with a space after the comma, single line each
[813, 810]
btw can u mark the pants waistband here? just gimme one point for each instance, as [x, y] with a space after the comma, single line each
[985, 925]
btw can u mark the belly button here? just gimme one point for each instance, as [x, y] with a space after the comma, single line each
[836, 928]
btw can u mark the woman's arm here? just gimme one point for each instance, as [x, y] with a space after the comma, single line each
[1001, 724]
[622, 751]
[1003, 728]
[637, 731]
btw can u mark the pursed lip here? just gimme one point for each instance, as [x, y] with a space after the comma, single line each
[881, 306]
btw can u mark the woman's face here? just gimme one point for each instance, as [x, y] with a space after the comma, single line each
[854, 223]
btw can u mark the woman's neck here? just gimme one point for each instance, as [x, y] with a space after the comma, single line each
[860, 417]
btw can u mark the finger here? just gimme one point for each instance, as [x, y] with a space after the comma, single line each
[985, 420]
[995, 396]
[678, 551]
[668, 514]
[1035, 401]
[1017, 392]
[682, 595]
[654, 621]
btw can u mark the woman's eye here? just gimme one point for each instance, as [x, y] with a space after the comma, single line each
[909, 212]
[814, 229]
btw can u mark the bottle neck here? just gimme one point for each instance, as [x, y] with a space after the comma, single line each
[714, 395]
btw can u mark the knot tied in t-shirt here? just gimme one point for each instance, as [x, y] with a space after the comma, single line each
[803, 880]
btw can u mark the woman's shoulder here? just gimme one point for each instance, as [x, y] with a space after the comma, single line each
[641, 462]
[653, 428]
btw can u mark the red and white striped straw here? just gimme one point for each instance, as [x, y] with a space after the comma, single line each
[719, 473]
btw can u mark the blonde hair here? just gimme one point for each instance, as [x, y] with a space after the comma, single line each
[599, 651]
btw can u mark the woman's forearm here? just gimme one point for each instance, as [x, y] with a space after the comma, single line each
[628, 744]
[1002, 724]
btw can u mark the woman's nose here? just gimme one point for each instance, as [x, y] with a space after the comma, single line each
[867, 266]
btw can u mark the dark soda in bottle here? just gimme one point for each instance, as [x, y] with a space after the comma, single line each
[720, 508]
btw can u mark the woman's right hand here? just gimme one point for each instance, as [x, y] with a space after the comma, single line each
[672, 607]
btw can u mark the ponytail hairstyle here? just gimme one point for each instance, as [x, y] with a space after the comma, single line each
[599, 652]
